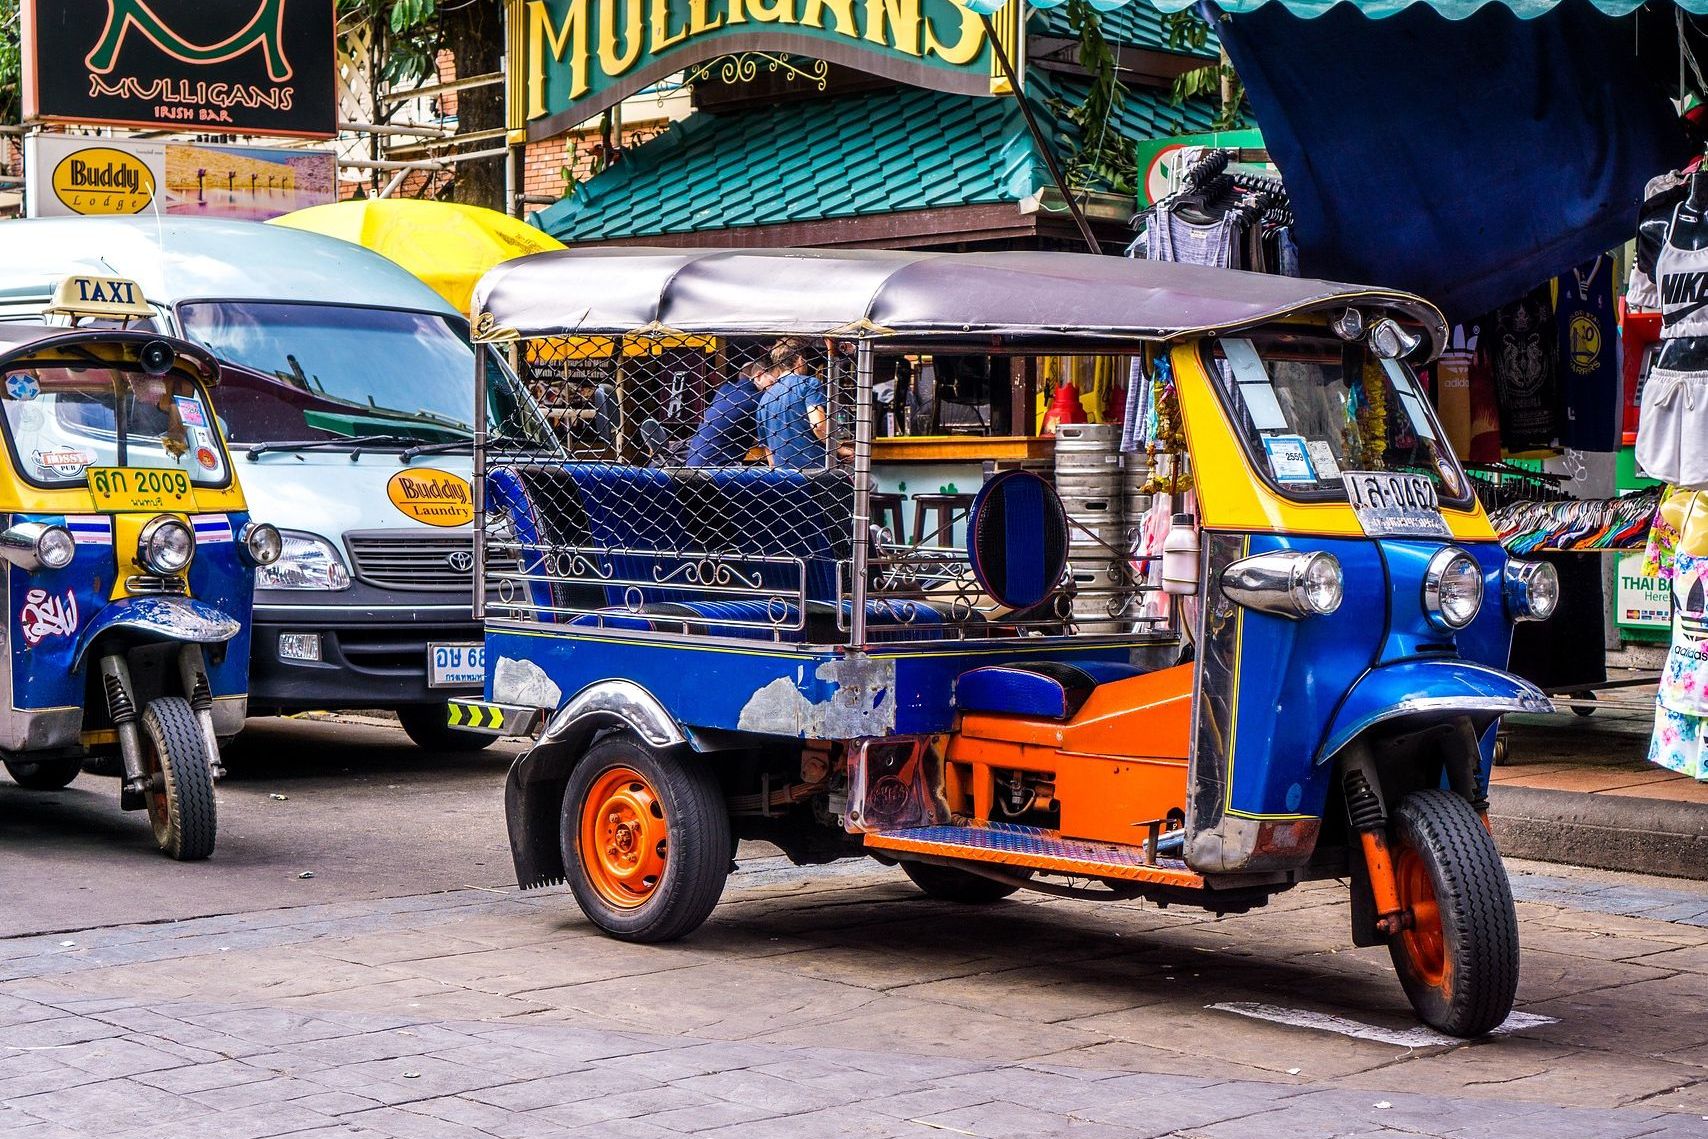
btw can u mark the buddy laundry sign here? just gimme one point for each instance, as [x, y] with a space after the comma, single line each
[575, 58]
[243, 66]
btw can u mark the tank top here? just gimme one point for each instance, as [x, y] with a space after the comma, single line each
[1682, 278]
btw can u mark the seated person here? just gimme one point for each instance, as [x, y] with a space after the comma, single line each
[730, 424]
[793, 422]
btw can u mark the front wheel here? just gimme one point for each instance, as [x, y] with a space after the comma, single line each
[428, 726]
[180, 779]
[646, 839]
[43, 774]
[947, 884]
[1458, 960]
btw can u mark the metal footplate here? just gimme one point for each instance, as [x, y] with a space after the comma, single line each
[1034, 848]
[493, 719]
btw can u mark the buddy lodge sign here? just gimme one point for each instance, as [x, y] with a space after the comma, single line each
[578, 57]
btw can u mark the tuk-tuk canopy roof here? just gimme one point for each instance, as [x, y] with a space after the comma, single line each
[901, 295]
[22, 340]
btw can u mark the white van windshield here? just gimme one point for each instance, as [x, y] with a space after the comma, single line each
[345, 372]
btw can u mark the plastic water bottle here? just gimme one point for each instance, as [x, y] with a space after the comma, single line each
[1180, 556]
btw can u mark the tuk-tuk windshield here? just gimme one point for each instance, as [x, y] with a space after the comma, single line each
[63, 419]
[1310, 406]
[346, 371]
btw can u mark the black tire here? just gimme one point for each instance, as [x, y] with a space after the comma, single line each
[427, 726]
[687, 811]
[1460, 969]
[43, 774]
[947, 884]
[181, 795]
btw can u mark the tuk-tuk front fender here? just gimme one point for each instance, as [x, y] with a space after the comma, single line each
[1428, 689]
[181, 619]
[533, 791]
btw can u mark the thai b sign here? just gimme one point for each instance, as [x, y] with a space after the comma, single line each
[232, 66]
[578, 57]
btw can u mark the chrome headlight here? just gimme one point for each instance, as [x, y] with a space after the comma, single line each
[1452, 589]
[165, 546]
[36, 545]
[1532, 590]
[305, 561]
[261, 542]
[1288, 583]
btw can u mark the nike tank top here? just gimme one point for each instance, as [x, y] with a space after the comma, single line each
[1682, 278]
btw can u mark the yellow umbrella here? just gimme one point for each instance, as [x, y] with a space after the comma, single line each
[448, 246]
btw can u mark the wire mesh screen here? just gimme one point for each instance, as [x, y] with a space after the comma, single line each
[707, 487]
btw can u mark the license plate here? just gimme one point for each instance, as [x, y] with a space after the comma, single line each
[456, 666]
[1395, 506]
[121, 490]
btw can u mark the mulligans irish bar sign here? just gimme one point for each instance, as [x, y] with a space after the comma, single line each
[232, 66]
[578, 57]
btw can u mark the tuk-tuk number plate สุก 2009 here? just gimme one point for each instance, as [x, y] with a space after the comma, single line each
[123, 490]
[456, 666]
[1395, 506]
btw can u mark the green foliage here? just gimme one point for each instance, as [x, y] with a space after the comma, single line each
[407, 30]
[1187, 31]
[11, 63]
[1102, 158]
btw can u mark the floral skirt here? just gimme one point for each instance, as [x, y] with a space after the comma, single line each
[1677, 742]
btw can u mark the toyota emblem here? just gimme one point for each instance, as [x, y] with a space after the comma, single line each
[460, 560]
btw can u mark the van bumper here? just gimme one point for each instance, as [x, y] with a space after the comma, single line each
[371, 656]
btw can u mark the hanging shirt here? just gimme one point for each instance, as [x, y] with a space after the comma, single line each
[1453, 387]
[785, 425]
[1523, 355]
[1169, 238]
[729, 428]
[1589, 356]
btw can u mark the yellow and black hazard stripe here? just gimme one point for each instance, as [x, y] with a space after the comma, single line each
[499, 719]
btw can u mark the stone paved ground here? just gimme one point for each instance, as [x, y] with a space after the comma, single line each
[839, 1002]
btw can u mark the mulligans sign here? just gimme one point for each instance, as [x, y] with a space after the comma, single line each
[577, 57]
[232, 66]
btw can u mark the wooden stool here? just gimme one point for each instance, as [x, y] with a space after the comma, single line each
[945, 507]
[886, 514]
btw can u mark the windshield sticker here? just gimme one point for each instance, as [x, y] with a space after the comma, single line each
[1395, 506]
[1323, 456]
[1254, 385]
[43, 616]
[68, 463]
[1288, 460]
[437, 498]
[22, 386]
[206, 457]
[190, 411]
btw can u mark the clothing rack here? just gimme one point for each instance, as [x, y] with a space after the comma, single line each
[1588, 525]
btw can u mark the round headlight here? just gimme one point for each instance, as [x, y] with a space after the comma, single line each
[54, 547]
[1452, 589]
[165, 546]
[1532, 590]
[1321, 587]
[262, 542]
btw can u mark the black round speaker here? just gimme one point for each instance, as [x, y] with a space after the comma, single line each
[157, 357]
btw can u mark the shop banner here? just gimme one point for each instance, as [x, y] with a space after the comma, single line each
[1640, 602]
[237, 66]
[66, 175]
[574, 58]
[1155, 158]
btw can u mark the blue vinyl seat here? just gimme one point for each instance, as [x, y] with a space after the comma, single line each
[1052, 690]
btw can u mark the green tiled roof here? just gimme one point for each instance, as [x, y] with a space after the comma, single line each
[1136, 25]
[848, 156]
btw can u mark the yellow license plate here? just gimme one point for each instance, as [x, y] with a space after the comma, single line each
[122, 490]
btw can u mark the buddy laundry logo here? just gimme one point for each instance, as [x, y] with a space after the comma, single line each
[437, 498]
[101, 180]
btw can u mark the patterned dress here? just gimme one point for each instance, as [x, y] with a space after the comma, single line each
[1678, 553]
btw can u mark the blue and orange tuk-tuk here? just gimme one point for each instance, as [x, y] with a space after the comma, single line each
[130, 563]
[1300, 680]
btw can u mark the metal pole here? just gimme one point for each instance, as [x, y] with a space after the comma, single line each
[479, 480]
[1038, 139]
[862, 487]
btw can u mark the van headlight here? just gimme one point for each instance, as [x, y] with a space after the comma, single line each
[1532, 590]
[1287, 583]
[1452, 589]
[165, 546]
[306, 561]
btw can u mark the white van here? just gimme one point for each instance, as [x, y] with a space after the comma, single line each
[358, 447]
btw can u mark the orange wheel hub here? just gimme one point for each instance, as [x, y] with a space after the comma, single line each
[624, 837]
[1424, 942]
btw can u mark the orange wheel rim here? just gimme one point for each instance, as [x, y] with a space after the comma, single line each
[1424, 942]
[624, 837]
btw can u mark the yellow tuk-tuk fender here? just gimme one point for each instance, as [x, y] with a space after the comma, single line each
[181, 619]
[1422, 688]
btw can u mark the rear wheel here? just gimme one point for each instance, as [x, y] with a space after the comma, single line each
[43, 774]
[427, 725]
[180, 794]
[947, 884]
[1458, 961]
[646, 839]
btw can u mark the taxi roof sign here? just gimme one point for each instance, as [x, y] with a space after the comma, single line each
[110, 297]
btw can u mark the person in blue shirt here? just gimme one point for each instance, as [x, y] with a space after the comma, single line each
[793, 422]
[730, 426]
